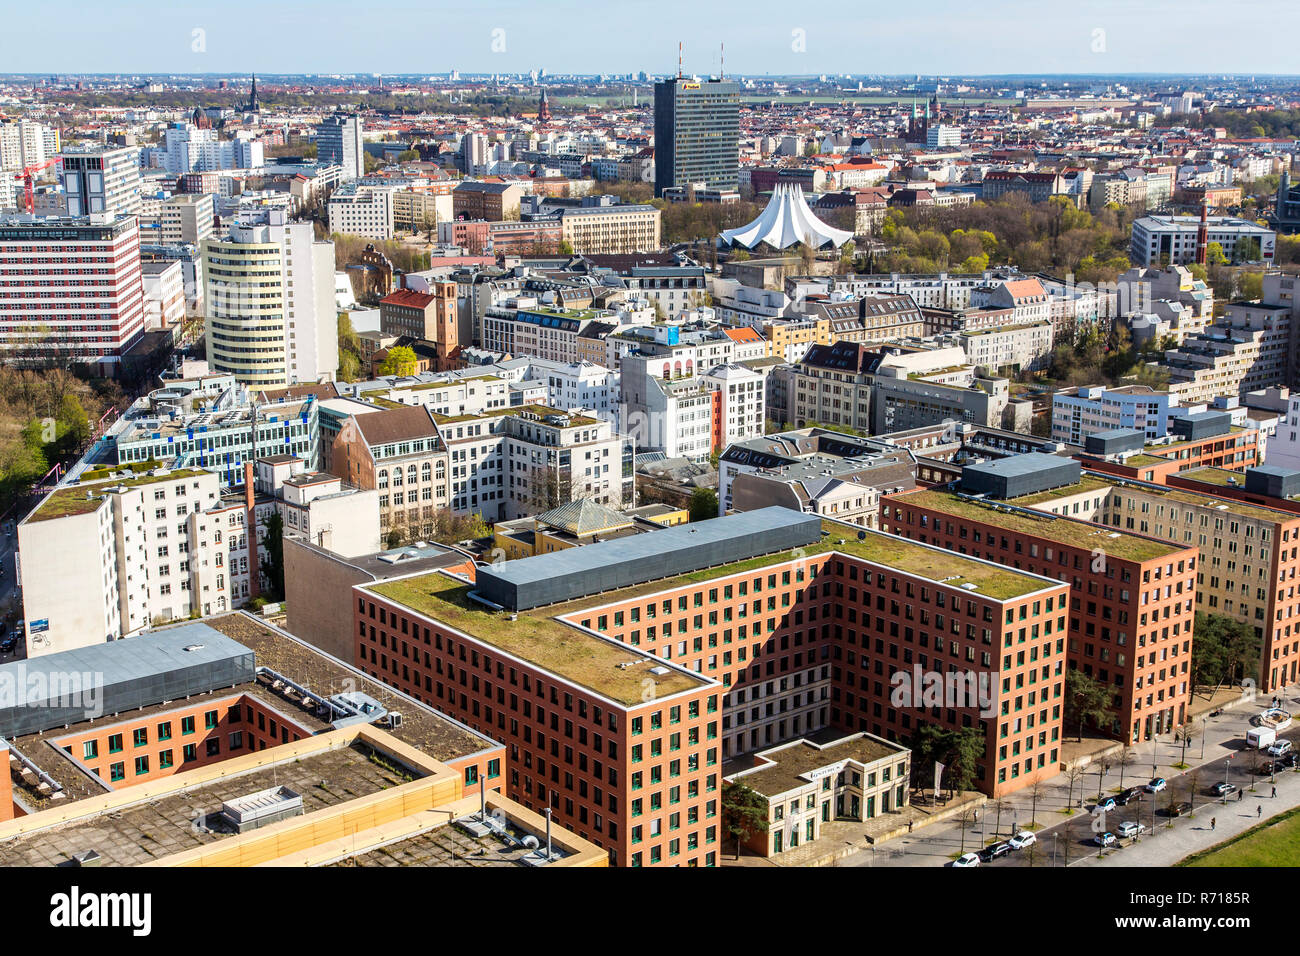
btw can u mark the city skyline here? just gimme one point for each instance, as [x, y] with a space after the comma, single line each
[506, 36]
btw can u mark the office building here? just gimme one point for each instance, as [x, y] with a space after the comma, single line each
[70, 289]
[697, 133]
[339, 143]
[101, 179]
[186, 219]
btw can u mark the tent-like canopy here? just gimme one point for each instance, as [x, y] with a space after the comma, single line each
[785, 222]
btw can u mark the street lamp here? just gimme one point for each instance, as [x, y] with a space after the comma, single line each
[1154, 738]
[1205, 719]
[1226, 764]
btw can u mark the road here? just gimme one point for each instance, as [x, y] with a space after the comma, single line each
[1068, 840]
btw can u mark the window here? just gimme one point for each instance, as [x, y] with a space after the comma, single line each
[90, 750]
[187, 725]
[117, 771]
[210, 719]
[164, 759]
[115, 743]
[140, 737]
[141, 766]
[191, 752]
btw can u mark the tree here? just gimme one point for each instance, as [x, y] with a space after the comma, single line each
[273, 538]
[704, 504]
[1072, 775]
[400, 360]
[1086, 700]
[1036, 792]
[1214, 254]
[349, 350]
[1125, 758]
[744, 812]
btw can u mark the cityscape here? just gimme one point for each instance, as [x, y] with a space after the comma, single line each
[706, 445]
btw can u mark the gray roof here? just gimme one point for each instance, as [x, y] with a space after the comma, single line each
[118, 676]
[583, 516]
[622, 562]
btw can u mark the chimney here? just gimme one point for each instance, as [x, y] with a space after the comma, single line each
[1203, 233]
[250, 529]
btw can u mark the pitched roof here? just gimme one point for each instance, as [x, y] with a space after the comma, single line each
[745, 336]
[409, 298]
[584, 516]
[396, 424]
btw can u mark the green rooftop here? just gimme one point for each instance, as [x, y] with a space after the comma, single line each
[542, 637]
[539, 638]
[1215, 476]
[1085, 484]
[74, 499]
[541, 411]
[1079, 534]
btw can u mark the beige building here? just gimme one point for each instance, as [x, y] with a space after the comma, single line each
[186, 219]
[611, 229]
[807, 785]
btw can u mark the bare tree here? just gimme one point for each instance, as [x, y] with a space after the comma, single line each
[1073, 775]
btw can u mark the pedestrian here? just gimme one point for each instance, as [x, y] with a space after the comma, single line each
[1259, 810]
[1275, 791]
[1213, 822]
[1240, 794]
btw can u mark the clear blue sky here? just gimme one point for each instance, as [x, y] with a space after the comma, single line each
[408, 36]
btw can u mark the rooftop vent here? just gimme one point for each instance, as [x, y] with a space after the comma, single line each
[659, 670]
[193, 647]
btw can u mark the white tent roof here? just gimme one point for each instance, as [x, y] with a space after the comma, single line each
[786, 221]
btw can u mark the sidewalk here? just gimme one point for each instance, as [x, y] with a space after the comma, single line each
[1216, 738]
[842, 838]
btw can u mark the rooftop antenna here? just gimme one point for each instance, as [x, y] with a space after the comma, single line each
[722, 61]
[679, 59]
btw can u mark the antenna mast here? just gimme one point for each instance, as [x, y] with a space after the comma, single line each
[679, 59]
[722, 61]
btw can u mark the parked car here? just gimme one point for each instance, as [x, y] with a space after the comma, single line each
[1131, 828]
[1125, 797]
[966, 859]
[1288, 759]
[1279, 748]
[1177, 809]
[1023, 839]
[1156, 785]
[1222, 789]
[1104, 839]
[990, 853]
[1105, 805]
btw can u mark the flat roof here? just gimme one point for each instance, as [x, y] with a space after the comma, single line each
[538, 638]
[86, 497]
[1069, 531]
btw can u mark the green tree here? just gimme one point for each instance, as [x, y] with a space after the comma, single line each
[349, 350]
[744, 812]
[73, 425]
[704, 504]
[1214, 254]
[274, 541]
[400, 360]
[1086, 700]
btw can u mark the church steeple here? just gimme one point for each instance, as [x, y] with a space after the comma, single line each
[252, 96]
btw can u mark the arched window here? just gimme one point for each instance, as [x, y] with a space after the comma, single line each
[410, 475]
[397, 477]
[383, 478]
[425, 471]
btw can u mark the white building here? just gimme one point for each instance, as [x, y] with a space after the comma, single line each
[339, 142]
[164, 294]
[1172, 239]
[101, 179]
[1080, 412]
[270, 303]
[363, 207]
[188, 149]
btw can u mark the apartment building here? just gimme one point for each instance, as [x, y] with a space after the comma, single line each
[270, 295]
[186, 219]
[619, 229]
[104, 559]
[1132, 596]
[538, 331]
[339, 142]
[164, 294]
[492, 202]
[1007, 348]
[70, 289]
[831, 386]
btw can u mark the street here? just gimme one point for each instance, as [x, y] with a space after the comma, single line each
[1069, 841]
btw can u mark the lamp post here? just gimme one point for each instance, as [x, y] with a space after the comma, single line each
[1154, 738]
[1205, 720]
[548, 834]
[1226, 764]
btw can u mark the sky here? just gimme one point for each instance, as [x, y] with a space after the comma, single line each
[621, 36]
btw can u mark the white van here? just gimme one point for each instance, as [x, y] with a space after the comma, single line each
[1260, 737]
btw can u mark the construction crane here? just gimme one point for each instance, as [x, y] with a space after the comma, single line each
[29, 200]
